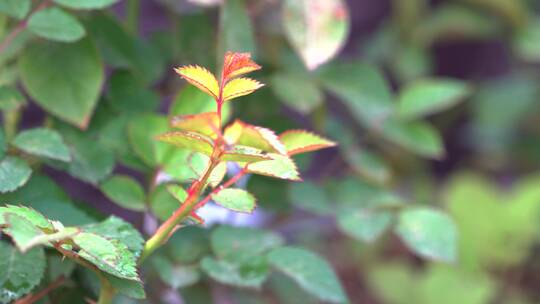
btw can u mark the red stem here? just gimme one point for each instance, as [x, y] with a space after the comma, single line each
[227, 184]
[21, 27]
[34, 298]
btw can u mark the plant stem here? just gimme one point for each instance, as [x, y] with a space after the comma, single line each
[11, 121]
[21, 26]
[14, 33]
[3, 23]
[32, 298]
[190, 204]
[132, 16]
[106, 292]
[227, 184]
[181, 213]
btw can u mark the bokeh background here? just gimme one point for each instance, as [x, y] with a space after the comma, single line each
[433, 103]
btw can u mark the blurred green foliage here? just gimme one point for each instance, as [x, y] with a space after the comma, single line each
[432, 196]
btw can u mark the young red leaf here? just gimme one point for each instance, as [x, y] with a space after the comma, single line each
[190, 140]
[240, 87]
[244, 154]
[301, 141]
[236, 64]
[201, 78]
[258, 137]
[281, 166]
[205, 123]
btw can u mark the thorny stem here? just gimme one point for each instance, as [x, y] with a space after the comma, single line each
[227, 184]
[164, 231]
[21, 27]
[191, 203]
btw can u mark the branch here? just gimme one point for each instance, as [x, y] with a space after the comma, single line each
[164, 231]
[21, 27]
[227, 184]
[36, 297]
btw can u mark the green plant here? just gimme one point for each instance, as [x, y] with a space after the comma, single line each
[112, 249]
[112, 171]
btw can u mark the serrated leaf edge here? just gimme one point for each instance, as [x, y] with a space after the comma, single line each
[308, 148]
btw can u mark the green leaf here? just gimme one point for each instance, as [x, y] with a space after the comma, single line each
[429, 233]
[163, 203]
[114, 228]
[250, 275]
[37, 219]
[20, 272]
[15, 8]
[43, 195]
[14, 173]
[191, 100]
[301, 141]
[189, 246]
[310, 272]
[56, 24]
[128, 94]
[112, 257]
[236, 31]
[47, 239]
[122, 50]
[235, 199]
[176, 276]
[280, 166]
[58, 266]
[189, 140]
[311, 197]
[363, 88]
[205, 123]
[178, 192]
[86, 4]
[298, 92]
[526, 42]
[42, 142]
[261, 138]
[430, 96]
[217, 175]
[26, 235]
[418, 137]
[368, 164]
[124, 191]
[239, 244]
[184, 165]
[451, 19]
[113, 137]
[498, 229]
[365, 162]
[10, 98]
[364, 224]
[20, 230]
[91, 163]
[65, 79]
[3, 144]
[132, 289]
[244, 154]
[141, 134]
[316, 42]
